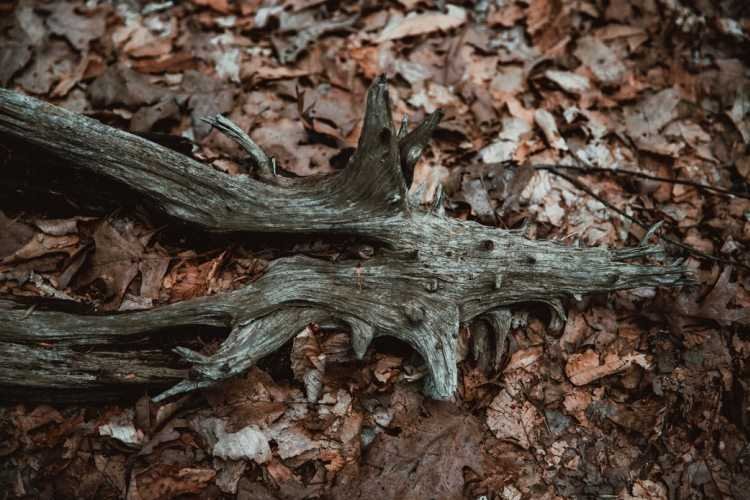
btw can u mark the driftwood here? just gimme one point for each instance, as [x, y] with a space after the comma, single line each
[420, 278]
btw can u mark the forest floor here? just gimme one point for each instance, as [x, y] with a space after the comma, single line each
[644, 394]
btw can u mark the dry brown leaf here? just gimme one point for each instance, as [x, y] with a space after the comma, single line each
[426, 460]
[715, 305]
[258, 70]
[162, 481]
[187, 281]
[568, 81]
[645, 121]
[524, 358]
[248, 443]
[601, 60]
[515, 421]
[15, 55]
[514, 132]
[586, 367]
[418, 24]
[51, 62]
[14, 235]
[367, 60]
[79, 30]
[122, 428]
[645, 489]
[206, 96]
[122, 85]
[254, 399]
[387, 368]
[145, 118]
[39, 416]
[505, 15]
[285, 140]
[546, 122]
[549, 23]
[278, 471]
[509, 81]
[576, 402]
[44, 244]
[173, 63]
[119, 255]
[222, 6]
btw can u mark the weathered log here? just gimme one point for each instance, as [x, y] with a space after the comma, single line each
[428, 273]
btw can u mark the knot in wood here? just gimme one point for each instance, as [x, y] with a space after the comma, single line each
[414, 312]
[431, 285]
[365, 251]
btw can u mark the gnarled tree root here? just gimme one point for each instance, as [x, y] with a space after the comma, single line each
[429, 274]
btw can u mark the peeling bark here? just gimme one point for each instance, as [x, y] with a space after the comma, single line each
[428, 274]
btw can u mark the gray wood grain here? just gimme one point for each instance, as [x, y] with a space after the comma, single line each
[428, 273]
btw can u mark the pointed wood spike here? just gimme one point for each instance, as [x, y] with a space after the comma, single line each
[558, 319]
[374, 177]
[362, 335]
[439, 352]
[500, 321]
[404, 128]
[413, 144]
[182, 387]
[436, 339]
[190, 355]
[377, 114]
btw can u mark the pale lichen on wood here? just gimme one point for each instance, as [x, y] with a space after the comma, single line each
[428, 273]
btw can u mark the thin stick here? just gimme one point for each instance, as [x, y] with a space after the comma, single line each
[634, 173]
[666, 239]
[233, 131]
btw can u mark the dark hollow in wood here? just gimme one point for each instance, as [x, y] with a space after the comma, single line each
[430, 275]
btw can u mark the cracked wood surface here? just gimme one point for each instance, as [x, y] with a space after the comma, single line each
[428, 275]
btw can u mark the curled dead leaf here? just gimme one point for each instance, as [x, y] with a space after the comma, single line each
[584, 368]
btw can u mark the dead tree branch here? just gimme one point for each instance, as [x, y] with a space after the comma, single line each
[430, 275]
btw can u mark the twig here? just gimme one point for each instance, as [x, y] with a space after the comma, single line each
[233, 131]
[634, 173]
[666, 239]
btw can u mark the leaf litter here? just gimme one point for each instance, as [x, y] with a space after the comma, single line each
[642, 395]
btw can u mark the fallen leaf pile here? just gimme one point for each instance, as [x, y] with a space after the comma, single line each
[643, 394]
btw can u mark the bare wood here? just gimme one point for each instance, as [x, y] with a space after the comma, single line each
[430, 274]
[259, 157]
[351, 202]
